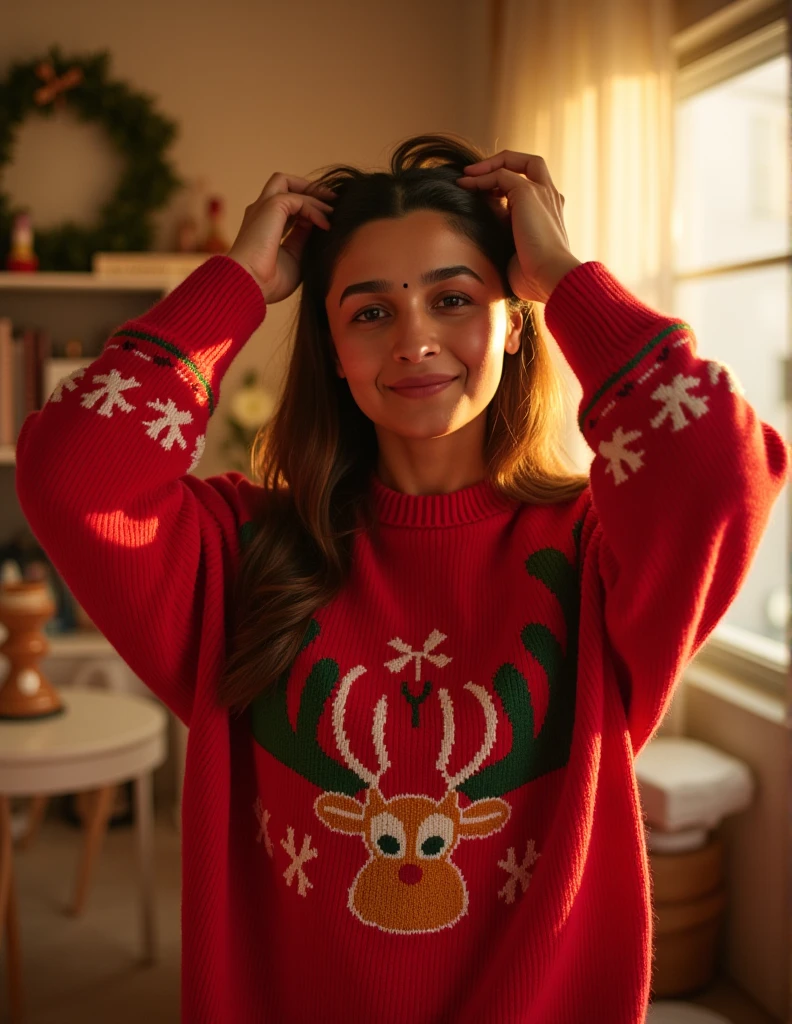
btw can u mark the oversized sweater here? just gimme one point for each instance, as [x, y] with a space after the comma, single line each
[433, 816]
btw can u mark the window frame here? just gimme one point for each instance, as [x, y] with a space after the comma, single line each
[737, 38]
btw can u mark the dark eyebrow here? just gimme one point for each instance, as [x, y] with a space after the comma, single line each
[430, 277]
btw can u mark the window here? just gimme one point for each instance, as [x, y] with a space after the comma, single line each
[732, 267]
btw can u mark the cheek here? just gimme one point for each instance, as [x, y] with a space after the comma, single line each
[482, 353]
[360, 364]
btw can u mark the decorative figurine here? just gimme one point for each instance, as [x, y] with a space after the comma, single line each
[24, 608]
[215, 241]
[22, 257]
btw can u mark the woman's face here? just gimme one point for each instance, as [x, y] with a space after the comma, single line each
[409, 297]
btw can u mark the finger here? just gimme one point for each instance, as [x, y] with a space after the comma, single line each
[295, 238]
[311, 212]
[532, 165]
[501, 178]
[298, 236]
[297, 204]
[321, 190]
[303, 209]
[280, 182]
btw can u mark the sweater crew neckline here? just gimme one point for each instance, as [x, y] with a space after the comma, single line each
[469, 504]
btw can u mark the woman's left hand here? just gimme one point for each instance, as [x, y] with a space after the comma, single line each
[536, 210]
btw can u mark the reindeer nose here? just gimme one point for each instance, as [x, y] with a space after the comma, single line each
[410, 874]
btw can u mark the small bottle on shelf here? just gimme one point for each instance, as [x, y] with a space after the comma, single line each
[215, 241]
[22, 257]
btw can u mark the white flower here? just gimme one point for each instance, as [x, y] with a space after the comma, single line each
[251, 407]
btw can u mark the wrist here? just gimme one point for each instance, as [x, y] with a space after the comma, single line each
[555, 274]
[246, 266]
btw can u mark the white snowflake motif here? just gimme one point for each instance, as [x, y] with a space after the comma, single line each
[715, 369]
[616, 452]
[298, 859]
[263, 820]
[676, 398]
[518, 872]
[197, 455]
[114, 384]
[172, 419]
[68, 383]
[434, 638]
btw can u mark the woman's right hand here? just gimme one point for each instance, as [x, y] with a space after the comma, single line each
[275, 229]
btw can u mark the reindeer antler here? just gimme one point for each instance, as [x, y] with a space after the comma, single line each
[530, 756]
[299, 748]
[377, 730]
[491, 725]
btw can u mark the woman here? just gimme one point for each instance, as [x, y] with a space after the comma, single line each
[416, 628]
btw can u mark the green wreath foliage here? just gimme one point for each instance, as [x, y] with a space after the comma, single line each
[139, 133]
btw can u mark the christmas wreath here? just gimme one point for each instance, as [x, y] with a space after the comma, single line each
[138, 131]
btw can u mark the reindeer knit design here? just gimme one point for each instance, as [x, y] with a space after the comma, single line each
[432, 816]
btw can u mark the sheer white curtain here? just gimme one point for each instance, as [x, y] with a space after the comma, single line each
[588, 86]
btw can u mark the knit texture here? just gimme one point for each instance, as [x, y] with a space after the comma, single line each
[433, 816]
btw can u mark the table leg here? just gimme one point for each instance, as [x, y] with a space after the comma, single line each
[144, 817]
[95, 829]
[36, 812]
[9, 921]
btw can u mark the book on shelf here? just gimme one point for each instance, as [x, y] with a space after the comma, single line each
[160, 264]
[28, 375]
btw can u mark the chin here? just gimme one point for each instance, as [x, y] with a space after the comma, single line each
[416, 431]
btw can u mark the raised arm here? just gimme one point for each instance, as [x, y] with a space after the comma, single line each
[683, 481]
[103, 477]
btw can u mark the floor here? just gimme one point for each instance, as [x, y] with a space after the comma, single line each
[86, 969]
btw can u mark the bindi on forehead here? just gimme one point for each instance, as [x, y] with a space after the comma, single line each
[404, 285]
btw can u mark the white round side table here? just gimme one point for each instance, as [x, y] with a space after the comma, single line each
[99, 739]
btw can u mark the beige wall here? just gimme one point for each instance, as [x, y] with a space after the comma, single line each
[255, 87]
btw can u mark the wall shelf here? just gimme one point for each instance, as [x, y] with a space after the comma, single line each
[88, 281]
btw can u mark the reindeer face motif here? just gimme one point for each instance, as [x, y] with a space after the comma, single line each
[410, 884]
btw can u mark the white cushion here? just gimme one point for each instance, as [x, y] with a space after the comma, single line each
[685, 784]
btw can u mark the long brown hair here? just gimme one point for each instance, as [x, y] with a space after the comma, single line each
[314, 458]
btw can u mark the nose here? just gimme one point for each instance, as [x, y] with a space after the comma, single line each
[410, 874]
[416, 338]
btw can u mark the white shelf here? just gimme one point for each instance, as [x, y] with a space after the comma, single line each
[87, 281]
[81, 644]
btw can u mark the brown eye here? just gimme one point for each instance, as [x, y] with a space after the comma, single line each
[463, 300]
[369, 309]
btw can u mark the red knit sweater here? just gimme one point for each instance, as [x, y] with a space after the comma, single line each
[434, 818]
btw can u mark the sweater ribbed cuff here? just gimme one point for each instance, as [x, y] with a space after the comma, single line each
[599, 325]
[208, 318]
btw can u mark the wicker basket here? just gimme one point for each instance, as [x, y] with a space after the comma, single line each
[689, 900]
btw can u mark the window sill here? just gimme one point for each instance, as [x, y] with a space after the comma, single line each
[731, 688]
[745, 669]
[754, 661]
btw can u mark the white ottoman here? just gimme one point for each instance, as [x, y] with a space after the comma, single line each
[687, 787]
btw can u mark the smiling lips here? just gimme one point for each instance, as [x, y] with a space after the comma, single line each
[422, 381]
[421, 386]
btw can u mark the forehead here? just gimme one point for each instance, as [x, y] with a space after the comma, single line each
[404, 246]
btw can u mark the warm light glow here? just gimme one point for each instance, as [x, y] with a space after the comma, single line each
[123, 530]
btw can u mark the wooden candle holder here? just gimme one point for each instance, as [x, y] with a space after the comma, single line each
[26, 693]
